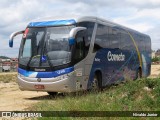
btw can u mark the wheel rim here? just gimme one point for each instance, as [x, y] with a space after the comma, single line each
[139, 74]
[95, 83]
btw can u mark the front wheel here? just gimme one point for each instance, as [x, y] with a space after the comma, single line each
[139, 74]
[97, 82]
[52, 93]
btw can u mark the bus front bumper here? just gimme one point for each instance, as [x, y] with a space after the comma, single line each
[46, 84]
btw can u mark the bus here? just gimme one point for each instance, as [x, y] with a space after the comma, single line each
[79, 53]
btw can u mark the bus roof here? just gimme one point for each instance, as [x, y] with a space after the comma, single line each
[68, 20]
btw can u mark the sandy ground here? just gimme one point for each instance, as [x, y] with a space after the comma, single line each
[11, 98]
[155, 71]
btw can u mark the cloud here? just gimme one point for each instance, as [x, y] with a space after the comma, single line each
[140, 4]
[144, 4]
[140, 15]
[134, 23]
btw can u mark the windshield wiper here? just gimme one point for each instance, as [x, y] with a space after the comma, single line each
[42, 55]
[27, 68]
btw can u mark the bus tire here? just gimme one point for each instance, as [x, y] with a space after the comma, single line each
[139, 73]
[52, 93]
[97, 82]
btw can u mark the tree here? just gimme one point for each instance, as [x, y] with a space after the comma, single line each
[4, 57]
[156, 59]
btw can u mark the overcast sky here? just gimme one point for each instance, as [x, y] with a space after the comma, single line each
[141, 15]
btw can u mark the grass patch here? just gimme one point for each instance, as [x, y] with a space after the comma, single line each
[8, 77]
[130, 96]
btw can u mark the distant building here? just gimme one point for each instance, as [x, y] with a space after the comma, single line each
[153, 54]
[8, 64]
[157, 54]
[5, 60]
[14, 64]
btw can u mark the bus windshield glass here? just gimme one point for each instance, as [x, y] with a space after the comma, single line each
[51, 42]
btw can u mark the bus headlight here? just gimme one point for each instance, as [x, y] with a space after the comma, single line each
[62, 77]
[21, 76]
[65, 76]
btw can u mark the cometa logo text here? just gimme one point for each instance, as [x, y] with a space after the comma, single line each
[115, 57]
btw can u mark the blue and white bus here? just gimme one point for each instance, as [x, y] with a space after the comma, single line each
[80, 53]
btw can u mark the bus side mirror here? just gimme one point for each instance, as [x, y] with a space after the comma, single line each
[73, 33]
[12, 37]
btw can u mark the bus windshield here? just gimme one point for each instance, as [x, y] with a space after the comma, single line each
[51, 42]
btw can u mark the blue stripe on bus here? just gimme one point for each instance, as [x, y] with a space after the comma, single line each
[52, 23]
[108, 76]
[45, 74]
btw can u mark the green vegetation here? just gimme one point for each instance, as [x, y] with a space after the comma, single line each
[4, 57]
[156, 59]
[139, 95]
[8, 77]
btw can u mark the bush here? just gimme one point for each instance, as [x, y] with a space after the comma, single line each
[151, 83]
[156, 59]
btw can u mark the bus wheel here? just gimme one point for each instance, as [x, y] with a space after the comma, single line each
[139, 73]
[97, 82]
[52, 93]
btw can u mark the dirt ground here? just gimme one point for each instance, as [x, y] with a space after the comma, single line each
[155, 71]
[13, 99]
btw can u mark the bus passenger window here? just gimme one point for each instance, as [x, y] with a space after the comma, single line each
[79, 47]
[114, 39]
[102, 39]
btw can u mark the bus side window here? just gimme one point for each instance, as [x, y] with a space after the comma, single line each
[87, 34]
[114, 39]
[126, 41]
[79, 47]
[101, 40]
[119, 39]
[89, 26]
